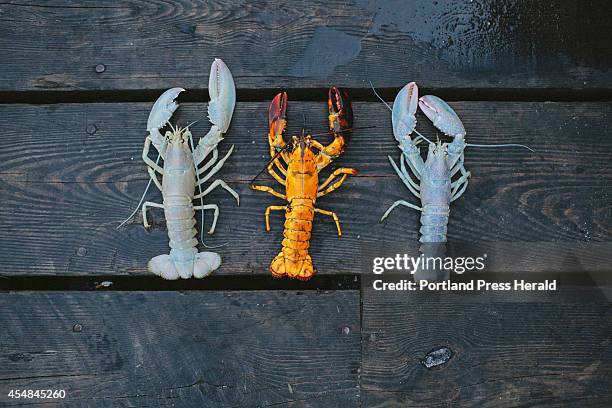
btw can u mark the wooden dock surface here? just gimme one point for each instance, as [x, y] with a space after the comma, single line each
[80, 312]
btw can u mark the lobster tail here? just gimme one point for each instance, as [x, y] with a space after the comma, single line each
[293, 260]
[434, 222]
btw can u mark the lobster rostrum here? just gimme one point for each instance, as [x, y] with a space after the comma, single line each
[182, 174]
[299, 163]
[445, 161]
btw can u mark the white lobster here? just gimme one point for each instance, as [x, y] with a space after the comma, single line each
[181, 174]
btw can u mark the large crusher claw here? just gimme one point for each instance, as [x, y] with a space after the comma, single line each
[222, 92]
[442, 116]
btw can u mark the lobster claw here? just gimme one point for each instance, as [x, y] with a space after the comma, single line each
[277, 121]
[222, 92]
[443, 117]
[403, 114]
[340, 112]
[340, 122]
[163, 109]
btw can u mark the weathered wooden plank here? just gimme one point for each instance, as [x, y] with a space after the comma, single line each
[103, 142]
[221, 349]
[503, 354]
[64, 190]
[132, 44]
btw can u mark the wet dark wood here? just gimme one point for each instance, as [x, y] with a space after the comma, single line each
[212, 349]
[70, 173]
[135, 45]
[519, 352]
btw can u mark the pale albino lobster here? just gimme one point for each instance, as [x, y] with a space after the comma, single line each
[181, 175]
[445, 161]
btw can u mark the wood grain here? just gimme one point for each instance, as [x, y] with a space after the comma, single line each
[136, 45]
[70, 173]
[212, 349]
[522, 353]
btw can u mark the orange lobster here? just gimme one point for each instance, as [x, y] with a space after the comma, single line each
[301, 180]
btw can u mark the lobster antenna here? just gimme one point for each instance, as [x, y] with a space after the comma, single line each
[501, 145]
[143, 194]
[196, 121]
[420, 135]
[378, 96]
[345, 130]
[285, 147]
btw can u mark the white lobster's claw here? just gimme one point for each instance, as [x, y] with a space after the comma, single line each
[222, 92]
[443, 117]
[404, 110]
[163, 109]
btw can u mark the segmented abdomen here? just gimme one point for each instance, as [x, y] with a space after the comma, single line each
[298, 227]
[180, 221]
[434, 222]
[293, 260]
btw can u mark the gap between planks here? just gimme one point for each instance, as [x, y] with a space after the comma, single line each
[364, 94]
[154, 283]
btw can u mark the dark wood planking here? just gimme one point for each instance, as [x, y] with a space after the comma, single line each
[270, 44]
[523, 353]
[70, 229]
[64, 190]
[221, 349]
[103, 142]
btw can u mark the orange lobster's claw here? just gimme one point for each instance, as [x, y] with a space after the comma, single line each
[340, 123]
[340, 111]
[277, 121]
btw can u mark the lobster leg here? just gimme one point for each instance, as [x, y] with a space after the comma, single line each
[144, 212]
[334, 216]
[405, 177]
[145, 156]
[459, 186]
[345, 172]
[269, 190]
[400, 202]
[215, 169]
[215, 156]
[215, 216]
[270, 208]
[154, 178]
[216, 184]
[275, 174]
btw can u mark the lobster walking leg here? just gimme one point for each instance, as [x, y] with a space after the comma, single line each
[273, 208]
[145, 156]
[269, 190]
[459, 186]
[215, 216]
[345, 172]
[216, 184]
[144, 212]
[342, 170]
[400, 202]
[333, 215]
[274, 174]
[154, 178]
[405, 177]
